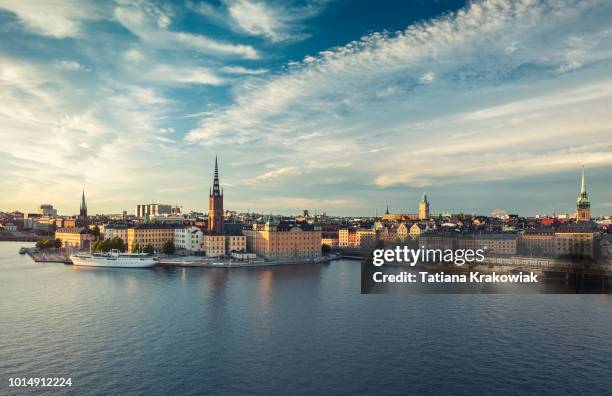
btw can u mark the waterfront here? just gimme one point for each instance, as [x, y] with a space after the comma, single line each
[288, 329]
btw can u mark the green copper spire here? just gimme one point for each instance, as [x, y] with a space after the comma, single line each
[583, 199]
[424, 198]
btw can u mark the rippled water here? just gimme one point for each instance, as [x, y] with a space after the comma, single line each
[290, 330]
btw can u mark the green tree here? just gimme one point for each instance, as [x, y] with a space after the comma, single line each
[325, 249]
[169, 247]
[96, 231]
[148, 249]
[57, 243]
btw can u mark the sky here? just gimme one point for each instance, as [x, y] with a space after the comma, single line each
[334, 106]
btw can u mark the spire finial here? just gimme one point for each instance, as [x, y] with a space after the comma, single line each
[583, 184]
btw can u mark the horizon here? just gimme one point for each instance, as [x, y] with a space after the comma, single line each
[484, 105]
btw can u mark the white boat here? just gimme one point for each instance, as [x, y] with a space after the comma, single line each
[114, 259]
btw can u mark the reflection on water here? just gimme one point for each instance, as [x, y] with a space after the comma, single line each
[289, 330]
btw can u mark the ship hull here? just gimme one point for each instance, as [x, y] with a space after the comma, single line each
[120, 262]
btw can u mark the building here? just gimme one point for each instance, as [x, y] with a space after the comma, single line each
[343, 237]
[537, 242]
[235, 243]
[10, 227]
[47, 210]
[424, 208]
[114, 230]
[504, 244]
[214, 245]
[583, 205]
[190, 239]
[82, 219]
[215, 205]
[149, 234]
[153, 209]
[416, 230]
[284, 241]
[438, 240]
[402, 232]
[75, 238]
[575, 240]
[365, 237]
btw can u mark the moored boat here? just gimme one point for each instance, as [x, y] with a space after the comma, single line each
[114, 259]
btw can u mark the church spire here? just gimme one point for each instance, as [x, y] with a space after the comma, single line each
[216, 191]
[583, 186]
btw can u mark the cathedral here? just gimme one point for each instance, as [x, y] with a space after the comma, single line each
[215, 206]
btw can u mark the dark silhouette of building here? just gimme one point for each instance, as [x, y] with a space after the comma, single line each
[215, 207]
[82, 219]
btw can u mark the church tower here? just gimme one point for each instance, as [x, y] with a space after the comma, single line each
[583, 205]
[215, 205]
[83, 207]
[424, 208]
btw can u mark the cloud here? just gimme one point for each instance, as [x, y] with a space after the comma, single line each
[151, 23]
[239, 70]
[397, 103]
[275, 22]
[58, 19]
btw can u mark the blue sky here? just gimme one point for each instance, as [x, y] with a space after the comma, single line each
[337, 106]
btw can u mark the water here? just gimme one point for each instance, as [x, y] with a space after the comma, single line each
[289, 330]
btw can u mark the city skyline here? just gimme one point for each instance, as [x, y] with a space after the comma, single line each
[484, 106]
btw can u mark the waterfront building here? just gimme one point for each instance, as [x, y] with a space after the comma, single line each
[438, 240]
[284, 241]
[215, 205]
[235, 243]
[365, 237]
[575, 240]
[583, 205]
[149, 234]
[190, 239]
[75, 238]
[537, 241]
[153, 209]
[424, 208]
[503, 244]
[329, 241]
[214, 245]
[116, 230]
[10, 227]
[343, 237]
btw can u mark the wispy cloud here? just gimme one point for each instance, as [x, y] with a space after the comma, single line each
[274, 21]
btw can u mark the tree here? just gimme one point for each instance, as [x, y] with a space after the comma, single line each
[148, 249]
[57, 243]
[325, 249]
[169, 247]
[135, 248]
[96, 231]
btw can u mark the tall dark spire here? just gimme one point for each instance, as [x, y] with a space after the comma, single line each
[216, 191]
[83, 207]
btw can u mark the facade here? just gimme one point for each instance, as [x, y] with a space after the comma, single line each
[189, 239]
[416, 230]
[402, 232]
[365, 237]
[214, 245]
[10, 227]
[424, 208]
[149, 234]
[575, 241]
[503, 244]
[215, 206]
[583, 205]
[329, 241]
[438, 240]
[153, 209]
[541, 241]
[284, 241]
[235, 243]
[343, 237]
[116, 231]
[75, 238]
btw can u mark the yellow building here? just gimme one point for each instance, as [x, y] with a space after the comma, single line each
[284, 241]
[214, 245]
[365, 237]
[75, 238]
[575, 240]
[330, 241]
[402, 232]
[343, 237]
[235, 243]
[416, 230]
[149, 234]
